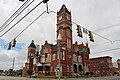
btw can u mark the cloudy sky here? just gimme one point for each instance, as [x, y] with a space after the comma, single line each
[100, 16]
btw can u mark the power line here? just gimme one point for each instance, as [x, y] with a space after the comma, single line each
[102, 37]
[107, 50]
[100, 44]
[21, 18]
[4, 22]
[97, 34]
[107, 27]
[17, 13]
[92, 31]
[30, 24]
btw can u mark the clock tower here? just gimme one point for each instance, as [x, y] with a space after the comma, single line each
[64, 27]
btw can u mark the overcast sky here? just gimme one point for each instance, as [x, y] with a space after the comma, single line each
[100, 16]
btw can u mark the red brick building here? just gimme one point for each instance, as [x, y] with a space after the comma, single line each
[101, 66]
[72, 61]
[116, 68]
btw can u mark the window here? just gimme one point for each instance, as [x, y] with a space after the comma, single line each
[53, 57]
[79, 59]
[68, 33]
[45, 50]
[61, 32]
[67, 68]
[71, 68]
[69, 43]
[76, 49]
[74, 58]
[34, 62]
[43, 59]
[48, 59]
[63, 55]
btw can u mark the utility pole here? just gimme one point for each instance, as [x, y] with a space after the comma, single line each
[59, 40]
[13, 63]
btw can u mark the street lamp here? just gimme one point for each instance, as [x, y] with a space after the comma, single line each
[59, 39]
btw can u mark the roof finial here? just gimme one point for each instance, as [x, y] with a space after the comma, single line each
[32, 41]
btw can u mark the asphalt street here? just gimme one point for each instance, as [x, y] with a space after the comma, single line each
[91, 78]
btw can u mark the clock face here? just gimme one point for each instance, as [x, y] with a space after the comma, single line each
[60, 18]
[68, 17]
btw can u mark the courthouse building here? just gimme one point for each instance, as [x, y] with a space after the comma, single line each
[67, 57]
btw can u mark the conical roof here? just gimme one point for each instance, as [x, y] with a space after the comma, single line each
[32, 45]
[63, 9]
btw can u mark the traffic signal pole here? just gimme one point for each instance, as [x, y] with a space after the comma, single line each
[59, 40]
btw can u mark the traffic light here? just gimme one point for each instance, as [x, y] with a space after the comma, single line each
[79, 31]
[22, 0]
[13, 42]
[88, 50]
[91, 36]
[9, 45]
[45, 1]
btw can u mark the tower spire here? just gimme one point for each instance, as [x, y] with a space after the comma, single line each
[63, 9]
[32, 45]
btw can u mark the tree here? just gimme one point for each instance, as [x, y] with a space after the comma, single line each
[19, 72]
[10, 71]
[30, 72]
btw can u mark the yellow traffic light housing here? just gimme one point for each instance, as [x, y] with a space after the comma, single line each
[9, 45]
[91, 36]
[13, 42]
[79, 31]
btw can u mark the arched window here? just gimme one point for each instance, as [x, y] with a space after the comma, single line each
[61, 32]
[74, 58]
[79, 59]
[48, 59]
[80, 68]
[54, 57]
[34, 61]
[43, 59]
[68, 33]
[63, 55]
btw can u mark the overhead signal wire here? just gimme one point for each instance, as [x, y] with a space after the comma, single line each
[21, 18]
[112, 41]
[30, 24]
[8, 18]
[100, 44]
[14, 14]
[103, 37]
[34, 20]
[107, 50]
[97, 34]
[17, 14]
[92, 31]
[107, 27]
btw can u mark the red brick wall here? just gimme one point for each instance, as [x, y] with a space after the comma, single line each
[101, 66]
